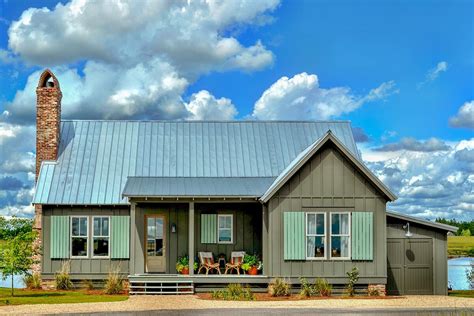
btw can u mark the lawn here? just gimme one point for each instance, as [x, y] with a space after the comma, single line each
[462, 293]
[460, 246]
[55, 297]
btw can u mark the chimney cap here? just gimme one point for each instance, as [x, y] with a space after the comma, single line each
[48, 80]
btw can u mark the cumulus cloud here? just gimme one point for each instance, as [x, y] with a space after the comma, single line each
[434, 73]
[428, 184]
[411, 144]
[301, 97]
[465, 116]
[204, 106]
[140, 56]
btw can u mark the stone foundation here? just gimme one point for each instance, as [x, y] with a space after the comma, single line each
[380, 288]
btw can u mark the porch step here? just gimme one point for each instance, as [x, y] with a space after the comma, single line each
[160, 287]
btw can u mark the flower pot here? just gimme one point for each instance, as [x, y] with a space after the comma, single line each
[185, 271]
[253, 270]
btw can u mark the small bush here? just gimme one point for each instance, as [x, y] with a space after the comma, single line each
[88, 284]
[353, 278]
[322, 287]
[62, 277]
[114, 281]
[279, 287]
[373, 292]
[234, 292]
[307, 289]
[32, 281]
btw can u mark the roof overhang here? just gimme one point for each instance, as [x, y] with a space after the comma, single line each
[423, 222]
[306, 154]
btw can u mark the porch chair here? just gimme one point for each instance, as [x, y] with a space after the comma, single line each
[207, 262]
[236, 260]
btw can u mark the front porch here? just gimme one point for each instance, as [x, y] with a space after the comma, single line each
[164, 231]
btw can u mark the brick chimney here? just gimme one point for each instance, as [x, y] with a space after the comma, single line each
[48, 118]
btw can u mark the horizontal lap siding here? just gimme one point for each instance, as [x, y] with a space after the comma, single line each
[327, 182]
[84, 268]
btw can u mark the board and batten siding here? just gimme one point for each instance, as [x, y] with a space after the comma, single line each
[440, 252]
[81, 268]
[327, 183]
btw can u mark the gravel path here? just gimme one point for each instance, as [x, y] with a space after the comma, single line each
[188, 302]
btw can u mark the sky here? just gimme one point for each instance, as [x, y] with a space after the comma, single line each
[401, 71]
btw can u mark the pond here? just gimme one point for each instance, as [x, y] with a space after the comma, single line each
[457, 272]
[17, 282]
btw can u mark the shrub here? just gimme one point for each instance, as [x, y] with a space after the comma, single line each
[32, 281]
[353, 278]
[62, 277]
[279, 287]
[470, 276]
[114, 282]
[88, 284]
[307, 289]
[322, 287]
[234, 292]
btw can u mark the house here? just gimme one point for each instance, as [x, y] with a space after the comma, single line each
[140, 194]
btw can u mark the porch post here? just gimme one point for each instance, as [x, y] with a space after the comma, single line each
[265, 258]
[133, 229]
[191, 238]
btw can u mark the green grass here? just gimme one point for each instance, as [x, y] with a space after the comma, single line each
[462, 293]
[55, 297]
[460, 246]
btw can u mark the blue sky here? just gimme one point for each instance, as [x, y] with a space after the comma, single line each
[401, 71]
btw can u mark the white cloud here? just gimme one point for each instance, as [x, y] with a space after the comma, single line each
[140, 55]
[434, 73]
[411, 144]
[464, 117]
[428, 184]
[204, 106]
[301, 97]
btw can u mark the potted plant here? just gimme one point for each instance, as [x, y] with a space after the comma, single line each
[252, 264]
[182, 265]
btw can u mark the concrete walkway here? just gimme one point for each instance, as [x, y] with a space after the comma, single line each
[189, 304]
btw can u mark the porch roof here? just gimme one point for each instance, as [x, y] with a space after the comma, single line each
[245, 187]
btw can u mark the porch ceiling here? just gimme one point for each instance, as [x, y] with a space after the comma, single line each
[245, 187]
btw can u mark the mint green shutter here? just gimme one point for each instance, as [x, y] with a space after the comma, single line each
[120, 237]
[208, 228]
[362, 236]
[60, 237]
[294, 235]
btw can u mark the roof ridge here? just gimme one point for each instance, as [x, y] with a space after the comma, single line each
[213, 121]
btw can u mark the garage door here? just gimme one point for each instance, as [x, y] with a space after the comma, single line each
[410, 266]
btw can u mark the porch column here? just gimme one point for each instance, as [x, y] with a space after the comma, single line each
[265, 254]
[191, 238]
[133, 229]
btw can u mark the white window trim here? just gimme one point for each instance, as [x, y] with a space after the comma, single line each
[86, 236]
[339, 235]
[231, 228]
[92, 237]
[316, 235]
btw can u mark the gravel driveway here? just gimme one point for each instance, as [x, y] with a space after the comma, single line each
[190, 302]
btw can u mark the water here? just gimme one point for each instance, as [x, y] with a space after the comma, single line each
[17, 282]
[457, 272]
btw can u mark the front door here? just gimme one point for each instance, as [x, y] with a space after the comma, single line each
[155, 243]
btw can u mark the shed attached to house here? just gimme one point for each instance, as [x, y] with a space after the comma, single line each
[417, 260]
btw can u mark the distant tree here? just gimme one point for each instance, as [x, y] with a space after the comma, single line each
[10, 228]
[470, 276]
[465, 232]
[17, 255]
[466, 225]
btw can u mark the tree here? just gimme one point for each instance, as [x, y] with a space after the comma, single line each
[470, 276]
[17, 256]
[465, 232]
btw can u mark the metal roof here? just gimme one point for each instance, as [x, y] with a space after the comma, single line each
[422, 221]
[96, 157]
[252, 187]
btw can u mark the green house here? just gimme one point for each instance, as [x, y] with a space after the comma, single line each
[138, 195]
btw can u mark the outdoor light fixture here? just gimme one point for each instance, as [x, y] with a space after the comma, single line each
[407, 227]
[173, 228]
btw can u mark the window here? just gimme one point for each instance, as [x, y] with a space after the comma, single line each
[101, 236]
[224, 229]
[340, 235]
[315, 235]
[79, 236]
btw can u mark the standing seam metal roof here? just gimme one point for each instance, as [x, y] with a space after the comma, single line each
[96, 157]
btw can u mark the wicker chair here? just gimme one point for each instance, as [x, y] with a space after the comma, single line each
[236, 260]
[207, 262]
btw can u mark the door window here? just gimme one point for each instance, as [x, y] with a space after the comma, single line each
[154, 236]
